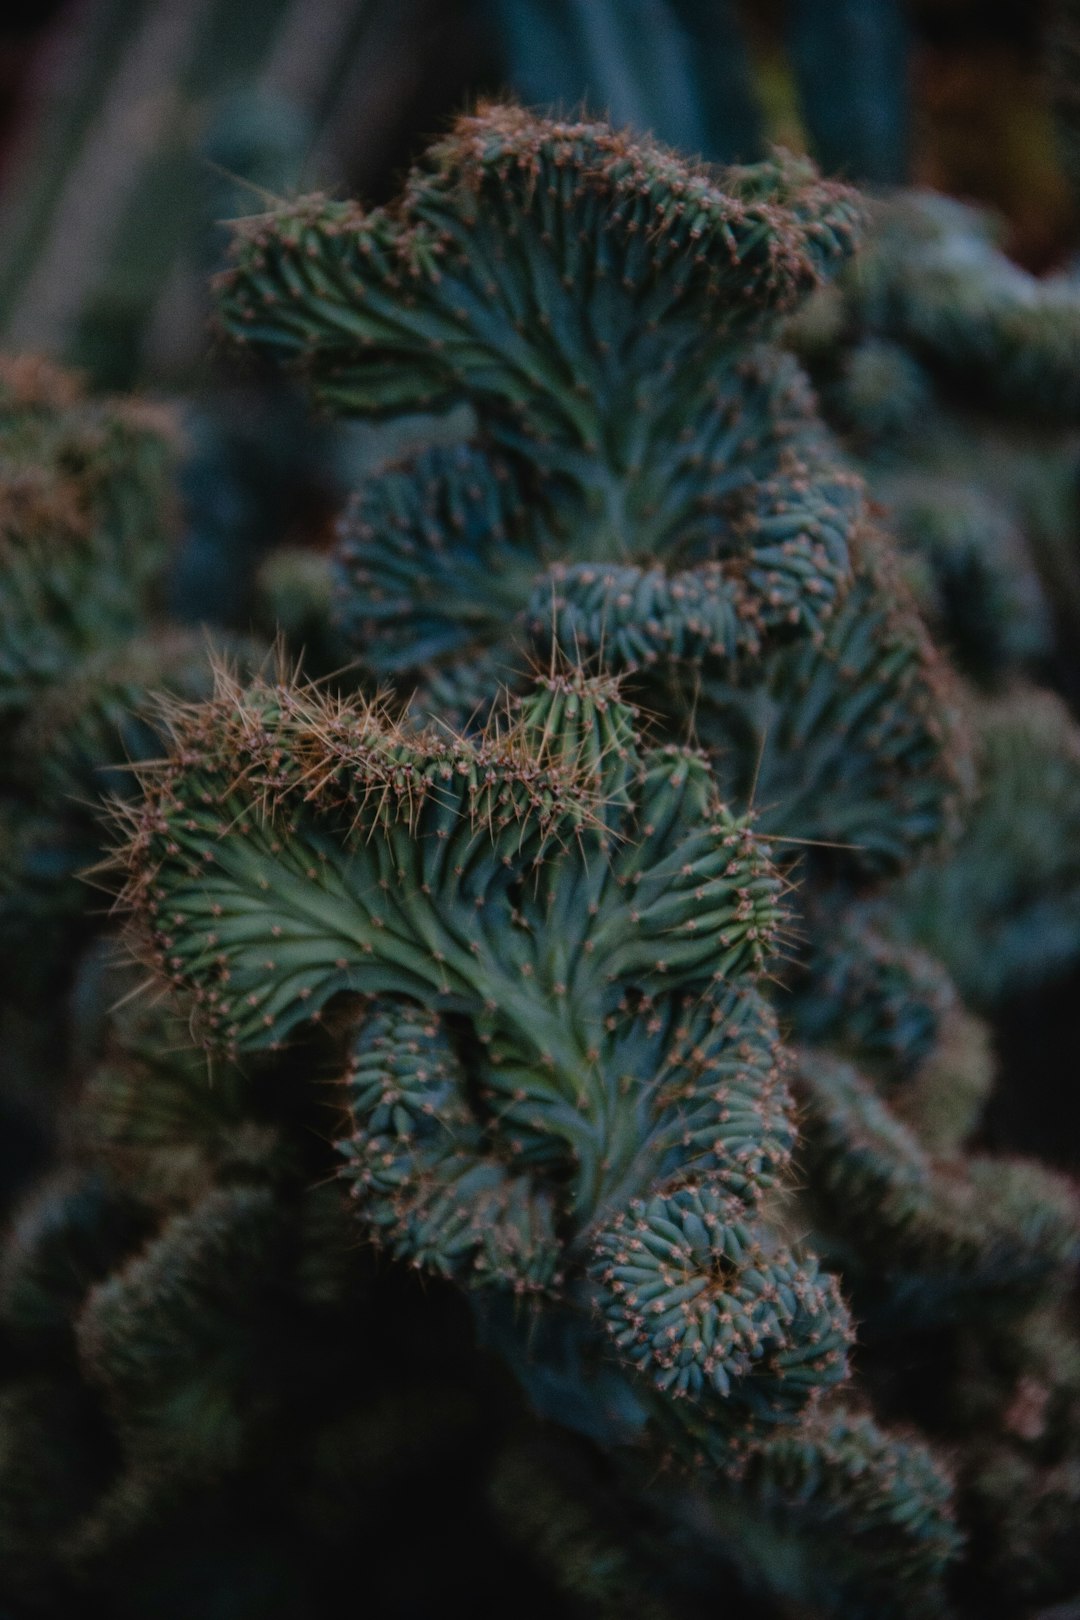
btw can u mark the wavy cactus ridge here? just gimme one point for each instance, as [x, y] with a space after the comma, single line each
[449, 824]
[504, 228]
[430, 1183]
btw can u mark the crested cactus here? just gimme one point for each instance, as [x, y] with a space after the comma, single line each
[601, 306]
[562, 1080]
[629, 888]
[542, 959]
[649, 484]
[694, 529]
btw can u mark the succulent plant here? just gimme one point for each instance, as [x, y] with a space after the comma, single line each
[563, 1082]
[607, 1006]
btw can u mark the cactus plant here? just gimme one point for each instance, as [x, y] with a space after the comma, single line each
[810, 679]
[533, 956]
[562, 1079]
[84, 525]
[86, 531]
[581, 513]
[947, 369]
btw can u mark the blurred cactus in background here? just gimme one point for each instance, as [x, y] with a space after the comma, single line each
[87, 532]
[86, 511]
[949, 372]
